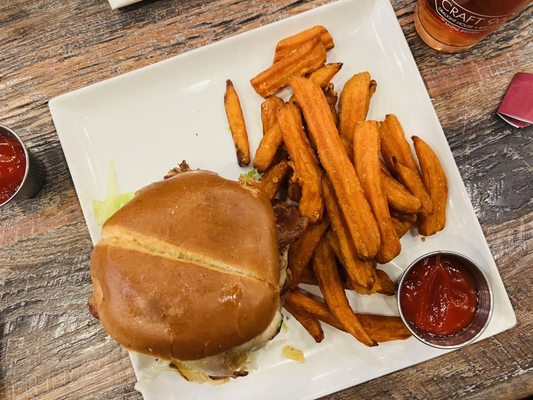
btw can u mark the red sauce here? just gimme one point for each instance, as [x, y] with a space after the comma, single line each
[438, 296]
[12, 167]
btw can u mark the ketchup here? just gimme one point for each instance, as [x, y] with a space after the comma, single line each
[439, 296]
[12, 167]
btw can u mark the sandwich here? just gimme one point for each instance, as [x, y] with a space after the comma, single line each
[188, 271]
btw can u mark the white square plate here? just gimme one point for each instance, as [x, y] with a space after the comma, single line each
[148, 120]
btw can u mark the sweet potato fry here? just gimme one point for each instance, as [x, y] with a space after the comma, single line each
[331, 286]
[359, 271]
[383, 285]
[269, 110]
[301, 251]
[331, 97]
[304, 303]
[436, 184]
[412, 181]
[272, 179]
[398, 197]
[309, 322]
[237, 124]
[355, 208]
[353, 266]
[366, 148]
[394, 145]
[268, 148]
[383, 328]
[305, 59]
[291, 43]
[401, 226]
[323, 75]
[380, 328]
[304, 161]
[354, 104]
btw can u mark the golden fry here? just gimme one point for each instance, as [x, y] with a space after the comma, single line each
[301, 251]
[366, 148]
[268, 148]
[354, 104]
[436, 184]
[287, 45]
[305, 59]
[305, 163]
[331, 286]
[355, 208]
[272, 180]
[323, 76]
[309, 322]
[237, 124]
[398, 197]
[269, 110]
[394, 145]
[379, 327]
[412, 181]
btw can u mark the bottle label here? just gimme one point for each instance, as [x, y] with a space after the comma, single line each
[465, 20]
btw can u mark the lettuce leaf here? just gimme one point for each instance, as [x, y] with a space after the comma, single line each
[104, 209]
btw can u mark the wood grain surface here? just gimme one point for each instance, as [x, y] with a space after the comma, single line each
[51, 348]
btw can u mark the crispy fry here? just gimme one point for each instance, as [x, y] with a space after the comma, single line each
[360, 271]
[323, 76]
[397, 195]
[394, 145]
[310, 323]
[272, 180]
[414, 184]
[401, 226]
[366, 148]
[354, 104]
[304, 161]
[437, 186]
[331, 286]
[237, 124]
[304, 303]
[269, 110]
[305, 59]
[291, 43]
[331, 97]
[268, 148]
[383, 285]
[383, 328]
[404, 217]
[380, 328]
[355, 208]
[301, 251]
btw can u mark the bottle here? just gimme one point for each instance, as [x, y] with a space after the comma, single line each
[457, 25]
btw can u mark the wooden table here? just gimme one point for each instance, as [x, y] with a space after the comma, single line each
[50, 347]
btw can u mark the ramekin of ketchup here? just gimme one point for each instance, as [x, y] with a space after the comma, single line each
[445, 299]
[21, 176]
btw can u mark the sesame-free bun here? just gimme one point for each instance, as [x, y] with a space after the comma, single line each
[189, 268]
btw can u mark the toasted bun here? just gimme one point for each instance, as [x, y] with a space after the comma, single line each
[189, 268]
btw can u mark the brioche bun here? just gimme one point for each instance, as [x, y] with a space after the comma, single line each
[188, 269]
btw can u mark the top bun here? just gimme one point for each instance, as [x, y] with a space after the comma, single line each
[189, 268]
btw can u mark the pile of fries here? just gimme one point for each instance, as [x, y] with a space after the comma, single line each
[355, 180]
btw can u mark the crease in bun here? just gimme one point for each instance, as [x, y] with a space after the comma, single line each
[130, 240]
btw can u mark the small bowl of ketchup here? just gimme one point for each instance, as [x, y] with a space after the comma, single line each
[21, 177]
[445, 300]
